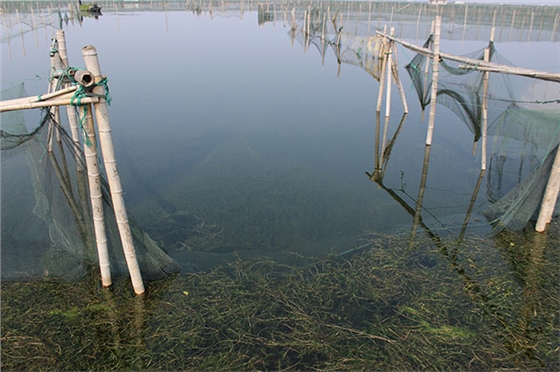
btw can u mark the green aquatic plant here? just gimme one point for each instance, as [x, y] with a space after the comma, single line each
[381, 308]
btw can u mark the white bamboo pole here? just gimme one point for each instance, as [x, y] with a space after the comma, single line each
[477, 64]
[383, 68]
[435, 76]
[106, 141]
[94, 180]
[388, 67]
[64, 100]
[395, 69]
[484, 111]
[550, 195]
[70, 110]
[389, 82]
[56, 65]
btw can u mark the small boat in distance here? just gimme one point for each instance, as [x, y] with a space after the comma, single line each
[89, 7]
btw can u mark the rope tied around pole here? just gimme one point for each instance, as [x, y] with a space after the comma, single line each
[54, 47]
[83, 118]
[103, 83]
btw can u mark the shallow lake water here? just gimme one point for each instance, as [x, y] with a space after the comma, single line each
[237, 140]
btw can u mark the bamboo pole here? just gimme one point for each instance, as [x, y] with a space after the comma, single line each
[477, 64]
[94, 180]
[395, 69]
[435, 76]
[389, 68]
[550, 195]
[419, 200]
[382, 78]
[471, 206]
[70, 110]
[106, 141]
[65, 100]
[56, 65]
[484, 111]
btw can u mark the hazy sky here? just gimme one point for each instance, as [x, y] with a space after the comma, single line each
[527, 2]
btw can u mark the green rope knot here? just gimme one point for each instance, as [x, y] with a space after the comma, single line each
[80, 93]
[103, 83]
[83, 118]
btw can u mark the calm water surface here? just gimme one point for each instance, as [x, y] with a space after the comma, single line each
[234, 125]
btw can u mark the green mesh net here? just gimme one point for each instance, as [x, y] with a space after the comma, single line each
[47, 228]
[523, 129]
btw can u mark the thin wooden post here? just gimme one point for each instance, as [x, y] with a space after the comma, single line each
[106, 141]
[95, 195]
[435, 76]
[550, 195]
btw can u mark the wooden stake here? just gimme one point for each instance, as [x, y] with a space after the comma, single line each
[106, 141]
[435, 76]
[95, 195]
[550, 195]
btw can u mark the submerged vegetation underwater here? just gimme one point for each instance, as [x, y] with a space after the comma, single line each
[435, 304]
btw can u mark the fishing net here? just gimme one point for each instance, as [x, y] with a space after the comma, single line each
[523, 118]
[318, 29]
[47, 228]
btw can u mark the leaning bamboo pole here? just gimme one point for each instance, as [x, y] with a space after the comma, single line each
[477, 64]
[420, 199]
[550, 195]
[435, 76]
[106, 141]
[471, 206]
[395, 69]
